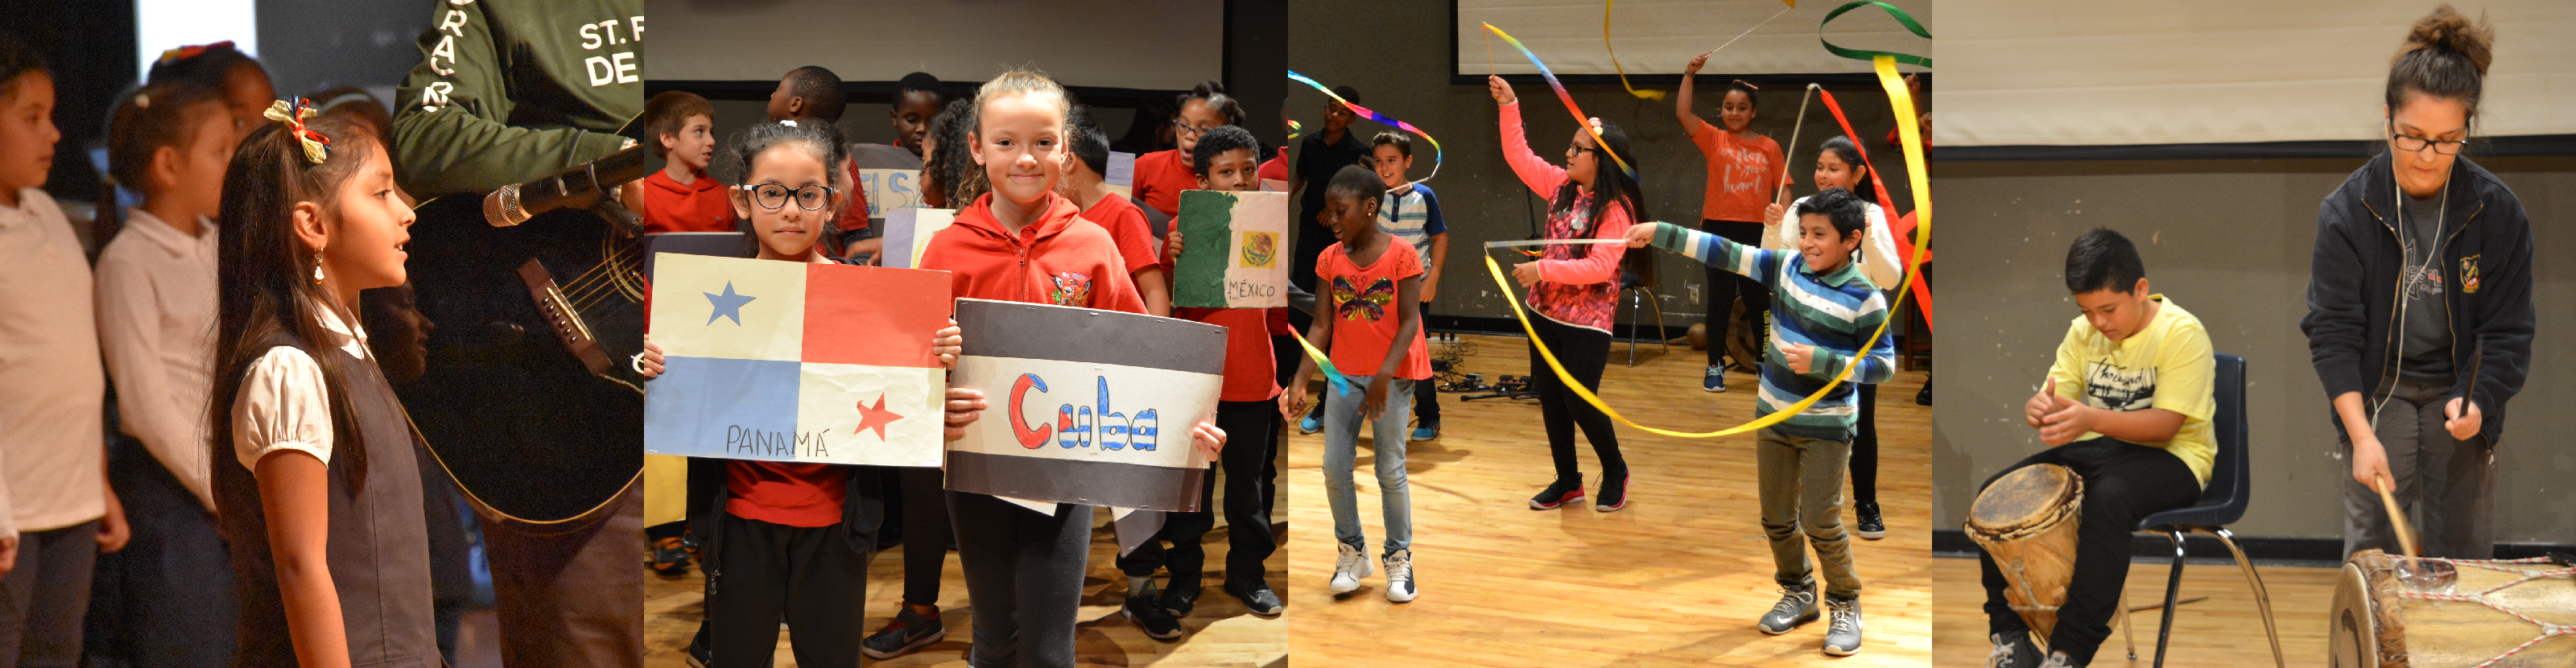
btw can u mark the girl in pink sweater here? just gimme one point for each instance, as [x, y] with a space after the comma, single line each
[1573, 287]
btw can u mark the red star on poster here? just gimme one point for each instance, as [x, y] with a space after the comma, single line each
[875, 417]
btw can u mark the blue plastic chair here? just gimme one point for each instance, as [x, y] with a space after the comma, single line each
[2222, 502]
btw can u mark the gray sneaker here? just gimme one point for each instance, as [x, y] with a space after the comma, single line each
[2012, 650]
[1842, 638]
[1797, 606]
[908, 632]
[2058, 660]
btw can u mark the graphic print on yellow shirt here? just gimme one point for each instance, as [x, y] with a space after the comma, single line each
[2168, 364]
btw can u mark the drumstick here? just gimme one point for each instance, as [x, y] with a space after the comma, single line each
[2397, 518]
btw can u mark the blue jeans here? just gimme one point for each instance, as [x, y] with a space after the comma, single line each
[1341, 451]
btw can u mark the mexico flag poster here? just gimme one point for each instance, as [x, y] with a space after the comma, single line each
[1086, 407]
[1234, 250]
[796, 362]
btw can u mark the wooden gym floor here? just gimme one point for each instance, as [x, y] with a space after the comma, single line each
[1676, 578]
[1220, 632]
[2224, 630]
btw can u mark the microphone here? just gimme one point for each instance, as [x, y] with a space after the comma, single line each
[576, 188]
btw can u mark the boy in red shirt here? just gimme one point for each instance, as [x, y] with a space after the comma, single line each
[815, 92]
[1224, 160]
[1373, 325]
[680, 197]
[1089, 185]
[1023, 242]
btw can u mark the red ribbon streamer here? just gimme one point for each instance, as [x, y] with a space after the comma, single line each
[1901, 226]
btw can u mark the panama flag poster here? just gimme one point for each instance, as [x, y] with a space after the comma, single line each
[1234, 250]
[1086, 407]
[796, 362]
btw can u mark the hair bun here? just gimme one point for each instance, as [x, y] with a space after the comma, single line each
[1208, 87]
[2447, 30]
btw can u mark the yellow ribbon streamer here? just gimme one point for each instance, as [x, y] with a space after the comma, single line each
[1912, 139]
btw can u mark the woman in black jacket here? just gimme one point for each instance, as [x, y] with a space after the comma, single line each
[2419, 304]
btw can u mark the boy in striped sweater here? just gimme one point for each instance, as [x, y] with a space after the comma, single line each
[1822, 312]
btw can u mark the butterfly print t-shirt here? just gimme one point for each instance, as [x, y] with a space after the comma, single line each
[1364, 311]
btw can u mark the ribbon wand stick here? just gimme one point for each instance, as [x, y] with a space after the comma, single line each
[1803, 97]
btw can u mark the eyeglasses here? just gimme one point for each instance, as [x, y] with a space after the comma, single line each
[2407, 142]
[774, 196]
[1184, 128]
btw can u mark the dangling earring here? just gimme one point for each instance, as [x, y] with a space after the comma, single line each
[317, 270]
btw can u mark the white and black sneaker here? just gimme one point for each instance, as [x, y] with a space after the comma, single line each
[2012, 650]
[1797, 606]
[1866, 522]
[1399, 576]
[1349, 568]
[1842, 637]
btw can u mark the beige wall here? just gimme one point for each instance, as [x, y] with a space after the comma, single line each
[1397, 55]
[2228, 240]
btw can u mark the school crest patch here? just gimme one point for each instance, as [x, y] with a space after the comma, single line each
[2469, 274]
[1071, 289]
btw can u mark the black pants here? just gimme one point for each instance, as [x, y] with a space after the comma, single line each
[1583, 352]
[926, 532]
[1186, 559]
[1725, 287]
[1864, 448]
[2122, 482]
[167, 599]
[1023, 578]
[1426, 394]
[807, 576]
[1251, 485]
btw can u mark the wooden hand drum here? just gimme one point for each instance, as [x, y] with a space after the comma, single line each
[2502, 614]
[2026, 520]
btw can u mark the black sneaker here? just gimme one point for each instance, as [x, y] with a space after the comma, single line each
[698, 655]
[1148, 614]
[1866, 521]
[1182, 596]
[908, 632]
[2012, 650]
[1256, 596]
[670, 557]
[1557, 494]
[1924, 398]
[1614, 493]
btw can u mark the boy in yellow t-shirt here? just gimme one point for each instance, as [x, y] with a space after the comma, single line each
[2127, 407]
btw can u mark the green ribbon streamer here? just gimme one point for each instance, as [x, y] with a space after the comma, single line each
[1869, 54]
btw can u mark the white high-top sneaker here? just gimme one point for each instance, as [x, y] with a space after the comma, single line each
[1347, 571]
[1399, 576]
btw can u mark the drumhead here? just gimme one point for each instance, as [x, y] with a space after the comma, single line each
[2353, 637]
[2032, 496]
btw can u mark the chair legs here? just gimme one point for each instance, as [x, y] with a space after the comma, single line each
[1637, 298]
[2173, 587]
[2262, 595]
[1634, 303]
[1659, 321]
[2125, 636]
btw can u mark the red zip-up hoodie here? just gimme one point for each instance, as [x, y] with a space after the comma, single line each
[1058, 259]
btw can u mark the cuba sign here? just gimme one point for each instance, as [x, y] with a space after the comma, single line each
[1098, 438]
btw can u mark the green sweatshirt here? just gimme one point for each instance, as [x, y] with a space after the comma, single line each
[511, 90]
